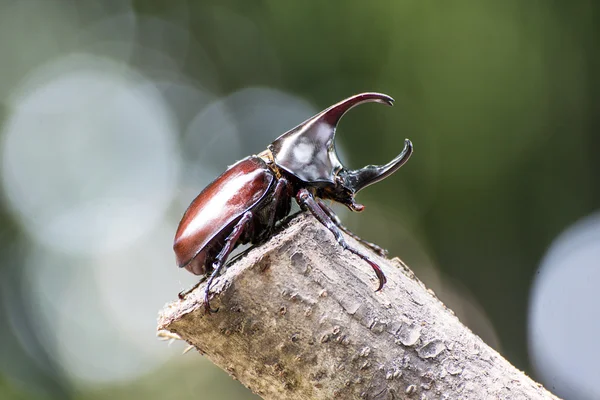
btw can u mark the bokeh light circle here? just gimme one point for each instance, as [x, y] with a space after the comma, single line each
[233, 127]
[99, 323]
[90, 159]
[564, 326]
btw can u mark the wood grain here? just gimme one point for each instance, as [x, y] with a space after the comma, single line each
[300, 319]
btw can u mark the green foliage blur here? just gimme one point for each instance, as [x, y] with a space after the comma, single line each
[500, 99]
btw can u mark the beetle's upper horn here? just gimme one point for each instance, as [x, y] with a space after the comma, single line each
[308, 151]
[333, 114]
[361, 178]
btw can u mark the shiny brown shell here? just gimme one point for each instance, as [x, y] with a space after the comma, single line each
[217, 208]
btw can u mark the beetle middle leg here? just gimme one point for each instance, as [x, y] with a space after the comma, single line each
[279, 206]
[220, 259]
[381, 251]
[306, 200]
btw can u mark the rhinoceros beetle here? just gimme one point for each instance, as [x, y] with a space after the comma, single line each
[244, 204]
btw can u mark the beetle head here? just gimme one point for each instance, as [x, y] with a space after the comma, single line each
[308, 153]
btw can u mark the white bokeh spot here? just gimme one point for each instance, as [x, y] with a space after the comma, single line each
[563, 313]
[90, 156]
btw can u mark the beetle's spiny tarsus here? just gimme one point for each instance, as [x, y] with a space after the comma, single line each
[336, 220]
[306, 199]
[184, 293]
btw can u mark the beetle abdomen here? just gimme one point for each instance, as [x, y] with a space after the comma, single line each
[217, 207]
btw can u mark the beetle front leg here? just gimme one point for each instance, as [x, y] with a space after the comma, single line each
[219, 262]
[382, 252]
[307, 201]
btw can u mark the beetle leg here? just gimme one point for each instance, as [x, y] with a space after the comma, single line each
[230, 242]
[274, 209]
[382, 252]
[184, 293]
[307, 201]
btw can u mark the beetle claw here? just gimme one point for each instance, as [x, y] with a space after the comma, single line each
[380, 275]
[210, 310]
[207, 308]
[380, 251]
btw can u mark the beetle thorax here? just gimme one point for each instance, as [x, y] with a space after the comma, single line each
[267, 156]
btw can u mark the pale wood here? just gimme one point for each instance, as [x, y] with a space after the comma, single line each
[300, 319]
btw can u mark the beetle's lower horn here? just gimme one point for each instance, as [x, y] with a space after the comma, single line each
[361, 178]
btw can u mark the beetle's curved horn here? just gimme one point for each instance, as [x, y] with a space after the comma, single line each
[361, 178]
[308, 151]
[333, 114]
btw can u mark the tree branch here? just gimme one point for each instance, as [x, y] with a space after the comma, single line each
[300, 319]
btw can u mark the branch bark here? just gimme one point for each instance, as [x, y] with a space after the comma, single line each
[300, 319]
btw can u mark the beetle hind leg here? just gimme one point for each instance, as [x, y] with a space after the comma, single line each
[307, 201]
[379, 250]
[220, 259]
[182, 295]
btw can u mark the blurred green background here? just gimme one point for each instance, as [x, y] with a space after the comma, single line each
[116, 113]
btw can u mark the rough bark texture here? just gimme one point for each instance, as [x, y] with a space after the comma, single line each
[299, 319]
